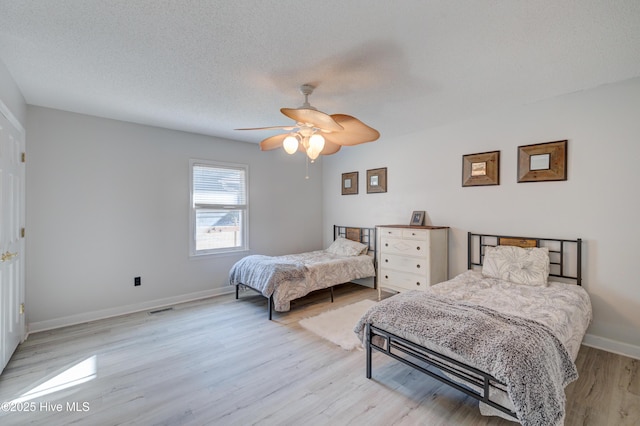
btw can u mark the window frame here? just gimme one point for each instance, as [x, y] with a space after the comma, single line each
[193, 253]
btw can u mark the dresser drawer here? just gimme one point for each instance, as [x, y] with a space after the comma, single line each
[414, 265]
[404, 247]
[415, 234]
[391, 232]
[401, 280]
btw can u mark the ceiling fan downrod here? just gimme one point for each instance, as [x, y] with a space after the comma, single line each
[306, 90]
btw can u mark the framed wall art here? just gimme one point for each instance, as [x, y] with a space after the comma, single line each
[542, 162]
[350, 183]
[417, 218]
[377, 180]
[481, 169]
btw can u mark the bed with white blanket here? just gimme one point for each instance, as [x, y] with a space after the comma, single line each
[507, 335]
[282, 279]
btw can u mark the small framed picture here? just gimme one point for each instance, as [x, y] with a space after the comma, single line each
[542, 162]
[417, 218]
[350, 183]
[377, 180]
[481, 169]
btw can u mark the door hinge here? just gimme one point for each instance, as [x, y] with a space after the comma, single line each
[22, 308]
[22, 232]
[23, 158]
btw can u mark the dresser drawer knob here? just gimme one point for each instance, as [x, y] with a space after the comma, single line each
[417, 283]
[386, 277]
[386, 260]
[386, 244]
[418, 266]
[418, 248]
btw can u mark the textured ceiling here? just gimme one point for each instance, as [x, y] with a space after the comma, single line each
[212, 66]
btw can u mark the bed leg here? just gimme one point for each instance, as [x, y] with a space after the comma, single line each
[331, 293]
[237, 286]
[270, 302]
[367, 339]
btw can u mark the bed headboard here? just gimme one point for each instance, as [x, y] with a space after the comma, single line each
[365, 236]
[565, 256]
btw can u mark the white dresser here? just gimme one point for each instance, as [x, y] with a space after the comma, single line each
[411, 257]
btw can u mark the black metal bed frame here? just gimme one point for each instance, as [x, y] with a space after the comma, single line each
[437, 365]
[365, 236]
[480, 241]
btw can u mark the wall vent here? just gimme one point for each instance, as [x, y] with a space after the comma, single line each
[157, 311]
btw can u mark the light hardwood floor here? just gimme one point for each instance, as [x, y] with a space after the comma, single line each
[220, 361]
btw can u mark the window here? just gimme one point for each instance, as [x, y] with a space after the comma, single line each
[219, 209]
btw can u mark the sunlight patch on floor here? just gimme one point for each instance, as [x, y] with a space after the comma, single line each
[79, 373]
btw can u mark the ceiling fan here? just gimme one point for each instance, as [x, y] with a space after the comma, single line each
[316, 133]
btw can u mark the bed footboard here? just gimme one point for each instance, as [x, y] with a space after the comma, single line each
[433, 364]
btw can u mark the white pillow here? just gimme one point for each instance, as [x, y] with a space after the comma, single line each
[344, 247]
[518, 265]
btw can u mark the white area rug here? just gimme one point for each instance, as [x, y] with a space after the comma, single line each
[337, 326]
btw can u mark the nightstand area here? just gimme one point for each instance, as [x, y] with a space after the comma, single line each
[411, 257]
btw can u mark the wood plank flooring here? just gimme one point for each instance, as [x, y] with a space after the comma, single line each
[219, 361]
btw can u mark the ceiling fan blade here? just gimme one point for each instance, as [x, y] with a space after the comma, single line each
[314, 117]
[287, 128]
[272, 142]
[330, 148]
[355, 131]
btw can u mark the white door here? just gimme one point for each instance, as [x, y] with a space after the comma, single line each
[11, 239]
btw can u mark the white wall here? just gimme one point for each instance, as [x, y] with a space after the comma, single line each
[109, 200]
[600, 201]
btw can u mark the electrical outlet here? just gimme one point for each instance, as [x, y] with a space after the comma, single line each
[137, 281]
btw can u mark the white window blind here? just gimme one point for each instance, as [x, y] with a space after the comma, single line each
[219, 207]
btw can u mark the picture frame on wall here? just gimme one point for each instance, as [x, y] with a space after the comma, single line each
[377, 180]
[542, 162]
[417, 218]
[481, 169]
[350, 183]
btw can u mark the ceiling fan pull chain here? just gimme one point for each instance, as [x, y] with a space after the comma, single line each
[307, 176]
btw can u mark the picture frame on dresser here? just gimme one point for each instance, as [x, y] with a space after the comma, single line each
[417, 218]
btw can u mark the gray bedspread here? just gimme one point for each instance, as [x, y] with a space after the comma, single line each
[263, 273]
[524, 354]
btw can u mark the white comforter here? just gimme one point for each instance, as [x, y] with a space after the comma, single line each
[564, 308]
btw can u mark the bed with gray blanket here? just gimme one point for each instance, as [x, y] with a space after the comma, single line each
[282, 279]
[507, 335]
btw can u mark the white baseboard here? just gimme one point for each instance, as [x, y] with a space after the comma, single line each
[123, 310]
[613, 346]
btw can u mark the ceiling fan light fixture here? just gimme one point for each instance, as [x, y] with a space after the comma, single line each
[315, 132]
[313, 146]
[316, 142]
[290, 144]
